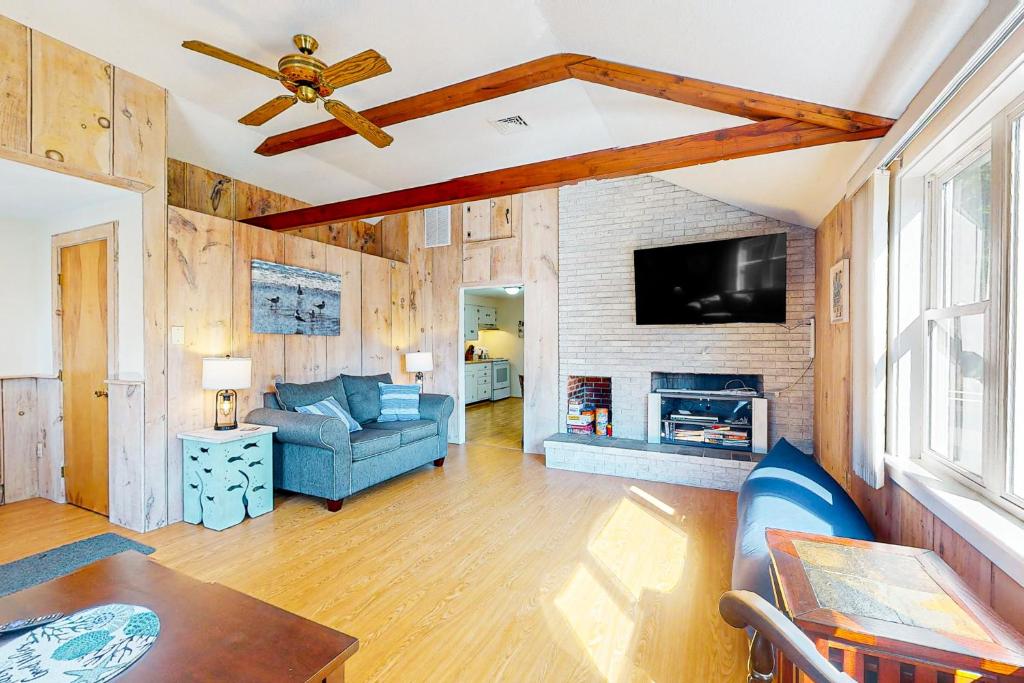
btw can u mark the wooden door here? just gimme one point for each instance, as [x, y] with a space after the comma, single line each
[83, 283]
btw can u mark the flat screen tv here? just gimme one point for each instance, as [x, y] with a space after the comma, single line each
[710, 283]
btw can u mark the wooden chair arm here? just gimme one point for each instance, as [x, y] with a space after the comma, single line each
[742, 609]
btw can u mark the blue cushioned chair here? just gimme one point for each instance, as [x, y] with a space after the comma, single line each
[316, 455]
[787, 490]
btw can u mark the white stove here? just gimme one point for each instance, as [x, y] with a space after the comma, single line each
[501, 384]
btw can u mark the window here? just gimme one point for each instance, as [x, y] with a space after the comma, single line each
[957, 337]
[959, 317]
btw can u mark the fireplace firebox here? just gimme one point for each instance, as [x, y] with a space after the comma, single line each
[708, 410]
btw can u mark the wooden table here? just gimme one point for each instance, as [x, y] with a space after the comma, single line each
[207, 632]
[884, 612]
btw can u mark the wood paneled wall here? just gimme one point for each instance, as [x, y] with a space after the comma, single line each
[209, 296]
[894, 514]
[31, 439]
[831, 433]
[198, 189]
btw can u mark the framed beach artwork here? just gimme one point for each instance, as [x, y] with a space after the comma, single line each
[290, 300]
[839, 292]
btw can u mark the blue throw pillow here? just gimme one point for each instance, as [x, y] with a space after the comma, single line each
[399, 402]
[331, 408]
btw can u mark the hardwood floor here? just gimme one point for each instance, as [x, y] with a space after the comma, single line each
[492, 568]
[498, 424]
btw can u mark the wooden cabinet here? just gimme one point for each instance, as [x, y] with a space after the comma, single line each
[501, 217]
[492, 245]
[487, 219]
[14, 80]
[140, 128]
[71, 105]
[471, 330]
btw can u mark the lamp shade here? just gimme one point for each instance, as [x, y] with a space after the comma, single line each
[419, 361]
[227, 373]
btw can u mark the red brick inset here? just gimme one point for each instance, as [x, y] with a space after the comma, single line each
[593, 391]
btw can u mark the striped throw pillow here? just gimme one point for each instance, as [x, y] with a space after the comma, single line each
[399, 402]
[331, 408]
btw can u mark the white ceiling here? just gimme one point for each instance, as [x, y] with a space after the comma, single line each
[868, 55]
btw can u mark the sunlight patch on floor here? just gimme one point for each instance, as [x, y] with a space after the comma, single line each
[664, 507]
[603, 628]
[640, 550]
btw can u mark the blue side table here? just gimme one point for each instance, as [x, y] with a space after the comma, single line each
[227, 474]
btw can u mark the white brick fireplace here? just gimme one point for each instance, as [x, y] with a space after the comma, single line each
[601, 223]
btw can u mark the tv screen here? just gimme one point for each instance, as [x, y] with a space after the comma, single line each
[709, 283]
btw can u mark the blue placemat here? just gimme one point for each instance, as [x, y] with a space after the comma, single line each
[50, 564]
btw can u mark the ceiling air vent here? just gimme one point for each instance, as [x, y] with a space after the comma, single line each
[510, 125]
[437, 226]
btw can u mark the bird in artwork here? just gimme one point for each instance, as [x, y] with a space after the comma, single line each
[321, 305]
[298, 316]
[300, 290]
[274, 299]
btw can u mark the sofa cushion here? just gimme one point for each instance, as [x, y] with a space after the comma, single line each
[330, 407]
[399, 402]
[370, 442]
[364, 396]
[787, 490]
[293, 395]
[411, 431]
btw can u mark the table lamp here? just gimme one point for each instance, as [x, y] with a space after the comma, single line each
[419, 362]
[224, 375]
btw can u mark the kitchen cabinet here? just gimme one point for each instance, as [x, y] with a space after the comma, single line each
[478, 382]
[470, 328]
[487, 318]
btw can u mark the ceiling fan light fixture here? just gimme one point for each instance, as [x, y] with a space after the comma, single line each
[306, 43]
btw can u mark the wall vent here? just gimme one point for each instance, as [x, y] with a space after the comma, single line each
[510, 124]
[437, 226]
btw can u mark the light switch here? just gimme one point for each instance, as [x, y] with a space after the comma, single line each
[177, 334]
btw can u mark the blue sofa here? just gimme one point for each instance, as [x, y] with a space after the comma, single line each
[788, 490]
[316, 455]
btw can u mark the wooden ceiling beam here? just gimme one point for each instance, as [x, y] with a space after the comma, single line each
[726, 99]
[554, 68]
[533, 74]
[765, 137]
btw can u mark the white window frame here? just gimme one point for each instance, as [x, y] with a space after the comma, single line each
[995, 477]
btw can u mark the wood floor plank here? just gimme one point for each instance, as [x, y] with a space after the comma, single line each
[492, 568]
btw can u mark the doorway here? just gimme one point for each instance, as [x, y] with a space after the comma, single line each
[493, 344]
[84, 292]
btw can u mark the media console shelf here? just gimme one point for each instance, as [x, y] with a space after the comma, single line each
[735, 420]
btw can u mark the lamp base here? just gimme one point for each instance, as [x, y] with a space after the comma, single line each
[419, 378]
[226, 412]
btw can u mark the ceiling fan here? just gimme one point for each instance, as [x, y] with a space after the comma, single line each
[309, 80]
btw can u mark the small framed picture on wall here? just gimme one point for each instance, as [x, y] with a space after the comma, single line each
[839, 291]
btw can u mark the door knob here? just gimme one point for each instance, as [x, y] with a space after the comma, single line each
[100, 393]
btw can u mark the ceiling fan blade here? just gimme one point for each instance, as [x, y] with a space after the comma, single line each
[268, 110]
[217, 53]
[357, 122]
[356, 68]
